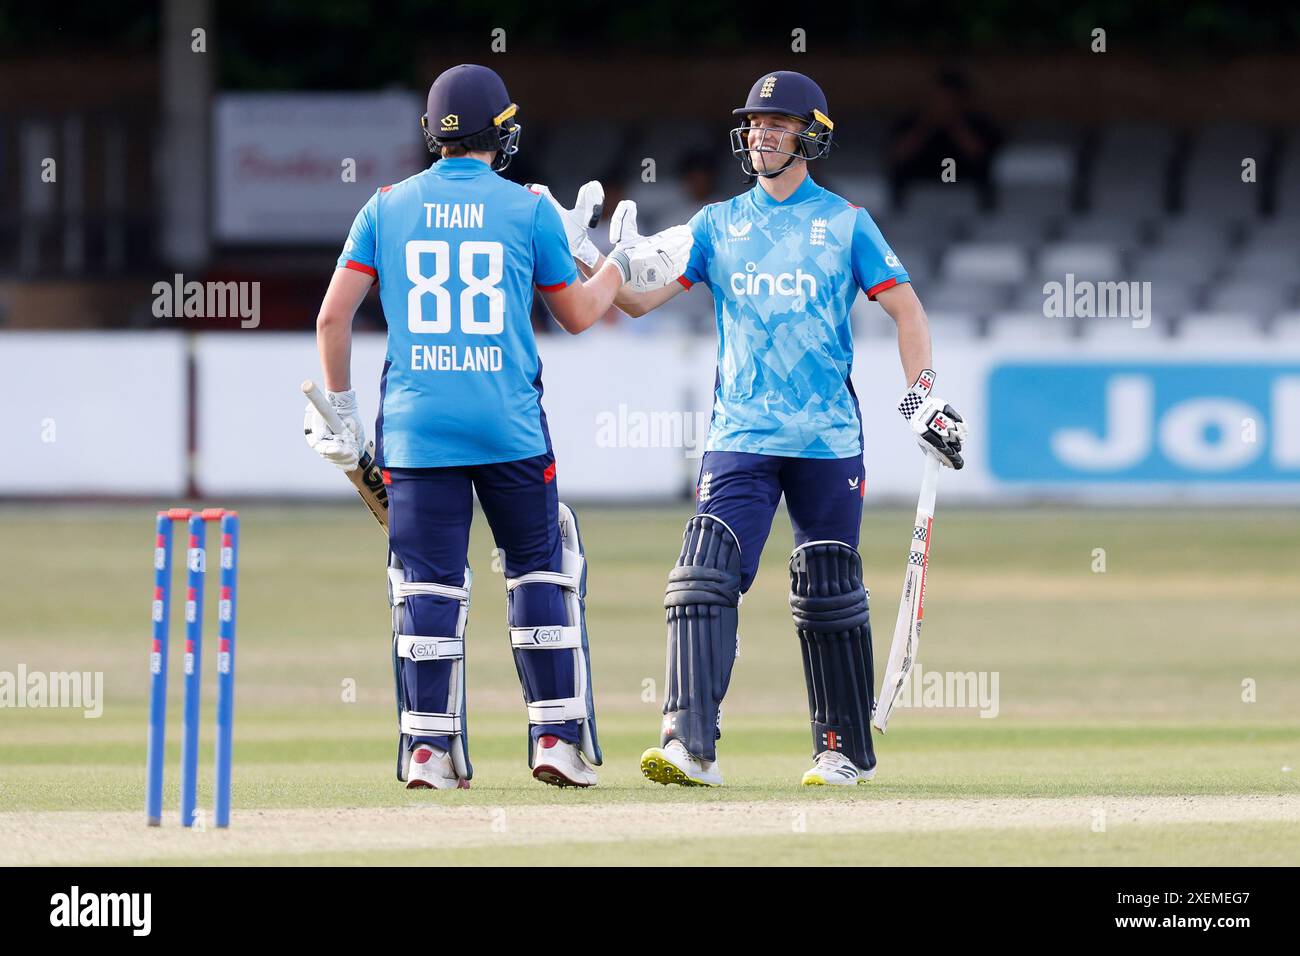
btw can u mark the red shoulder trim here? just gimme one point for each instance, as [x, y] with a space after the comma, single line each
[360, 267]
[887, 284]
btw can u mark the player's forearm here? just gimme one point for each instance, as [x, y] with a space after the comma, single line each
[588, 300]
[637, 304]
[334, 342]
[914, 341]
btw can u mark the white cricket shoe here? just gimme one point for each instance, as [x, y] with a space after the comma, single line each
[559, 763]
[429, 768]
[832, 768]
[675, 764]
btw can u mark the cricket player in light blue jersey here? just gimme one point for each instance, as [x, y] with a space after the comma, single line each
[457, 252]
[784, 262]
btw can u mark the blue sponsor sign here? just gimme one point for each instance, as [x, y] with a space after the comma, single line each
[1144, 422]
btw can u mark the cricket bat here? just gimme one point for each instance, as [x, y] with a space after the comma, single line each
[366, 476]
[911, 607]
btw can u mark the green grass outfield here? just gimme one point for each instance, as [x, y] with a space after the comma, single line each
[1149, 713]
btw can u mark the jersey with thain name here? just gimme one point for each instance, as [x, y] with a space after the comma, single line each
[784, 276]
[457, 250]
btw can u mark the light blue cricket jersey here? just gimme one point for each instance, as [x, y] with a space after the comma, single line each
[457, 251]
[783, 277]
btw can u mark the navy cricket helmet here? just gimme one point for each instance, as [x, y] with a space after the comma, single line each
[468, 106]
[789, 94]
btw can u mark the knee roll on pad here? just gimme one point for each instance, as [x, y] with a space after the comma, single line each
[415, 648]
[568, 636]
[833, 620]
[701, 609]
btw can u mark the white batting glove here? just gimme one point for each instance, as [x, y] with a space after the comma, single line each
[583, 216]
[342, 451]
[647, 262]
[939, 430]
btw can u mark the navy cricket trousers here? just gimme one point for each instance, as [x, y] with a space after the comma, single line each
[823, 496]
[430, 510]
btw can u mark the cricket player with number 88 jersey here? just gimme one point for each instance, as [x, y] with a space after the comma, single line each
[784, 262]
[457, 252]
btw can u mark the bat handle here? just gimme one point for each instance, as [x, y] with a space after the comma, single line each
[322, 405]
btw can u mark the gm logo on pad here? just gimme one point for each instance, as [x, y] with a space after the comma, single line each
[1177, 422]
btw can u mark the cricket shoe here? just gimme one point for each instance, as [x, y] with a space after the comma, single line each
[558, 763]
[675, 764]
[429, 768]
[832, 768]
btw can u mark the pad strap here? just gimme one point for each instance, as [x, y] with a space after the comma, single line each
[419, 647]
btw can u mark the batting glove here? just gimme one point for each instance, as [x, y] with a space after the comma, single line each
[583, 216]
[647, 262]
[342, 451]
[939, 430]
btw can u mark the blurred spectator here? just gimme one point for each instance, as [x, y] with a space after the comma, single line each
[947, 127]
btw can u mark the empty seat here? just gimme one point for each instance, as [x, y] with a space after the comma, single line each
[1044, 202]
[1194, 232]
[1025, 230]
[1273, 231]
[948, 327]
[994, 262]
[1223, 140]
[1046, 132]
[941, 201]
[1085, 260]
[1215, 188]
[1122, 332]
[1028, 297]
[1034, 164]
[1173, 297]
[1124, 233]
[1029, 328]
[866, 190]
[1271, 260]
[1286, 327]
[976, 298]
[1136, 139]
[1121, 192]
[1191, 265]
[1264, 299]
[912, 237]
[1218, 327]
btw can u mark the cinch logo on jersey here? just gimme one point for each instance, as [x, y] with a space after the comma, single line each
[891, 260]
[753, 282]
